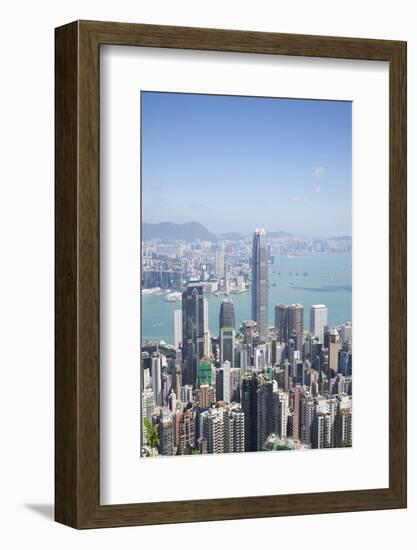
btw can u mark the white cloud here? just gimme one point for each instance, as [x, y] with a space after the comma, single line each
[317, 189]
[318, 172]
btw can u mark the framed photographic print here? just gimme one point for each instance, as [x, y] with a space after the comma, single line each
[230, 274]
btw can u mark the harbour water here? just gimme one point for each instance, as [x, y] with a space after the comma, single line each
[308, 280]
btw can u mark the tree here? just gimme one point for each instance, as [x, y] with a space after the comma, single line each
[152, 436]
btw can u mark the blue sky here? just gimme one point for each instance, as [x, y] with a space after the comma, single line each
[237, 163]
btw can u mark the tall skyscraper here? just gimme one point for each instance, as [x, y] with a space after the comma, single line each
[156, 378]
[249, 405]
[185, 431]
[234, 432]
[177, 328]
[193, 329]
[318, 320]
[148, 406]
[260, 282]
[265, 418]
[227, 314]
[219, 262]
[280, 412]
[296, 319]
[335, 345]
[227, 345]
[227, 393]
[282, 322]
[166, 432]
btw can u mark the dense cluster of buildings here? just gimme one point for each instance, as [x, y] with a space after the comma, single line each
[249, 388]
[221, 265]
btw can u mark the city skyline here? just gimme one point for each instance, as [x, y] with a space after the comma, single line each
[299, 149]
[254, 360]
[250, 388]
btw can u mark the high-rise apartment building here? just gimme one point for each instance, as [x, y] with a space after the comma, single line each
[260, 282]
[166, 432]
[186, 431]
[280, 413]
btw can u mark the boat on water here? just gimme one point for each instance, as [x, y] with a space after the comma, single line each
[154, 290]
[172, 296]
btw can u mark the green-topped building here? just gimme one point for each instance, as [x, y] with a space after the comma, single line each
[205, 372]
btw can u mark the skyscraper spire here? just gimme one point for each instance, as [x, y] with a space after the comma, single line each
[260, 282]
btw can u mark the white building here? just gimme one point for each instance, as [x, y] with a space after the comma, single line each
[318, 320]
[156, 378]
[177, 328]
[227, 387]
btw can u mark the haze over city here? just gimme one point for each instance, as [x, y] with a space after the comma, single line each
[235, 163]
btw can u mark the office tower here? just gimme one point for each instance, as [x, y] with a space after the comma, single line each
[241, 358]
[280, 413]
[212, 428]
[166, 432]
[172, 401]
[205, 372]
[286, 375]
[235, 375]
[234, 430]
[156, 378]
[345, 363]
[148, 406]
[260, 357]
[249, 406]
[186, 393]
[346, 334]
[219, 262]
[207, 396]
[227, 345]
[318, 320]
[264, 412]
[282, 322]
[296, 319]
[177, 384]
[219, 384]
[296, 394]
[227, 394]
[334, 347]
[206, 335]
[227, 314]
[186, 431]
[260, 282]
[177, 328]
[294, 360]
[193, 329]
[146, 379]
[277, 351]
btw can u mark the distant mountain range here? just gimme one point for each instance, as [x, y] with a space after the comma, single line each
[169, 231]
[191, 231]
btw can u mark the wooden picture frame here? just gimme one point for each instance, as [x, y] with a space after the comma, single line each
[77, 359]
